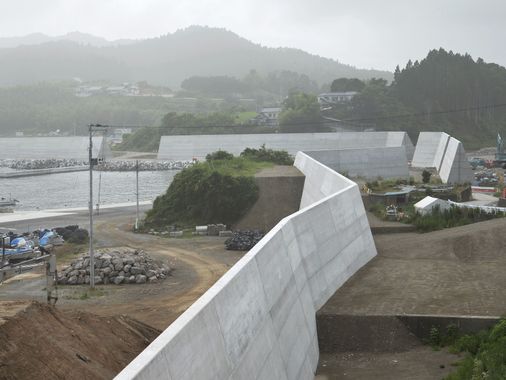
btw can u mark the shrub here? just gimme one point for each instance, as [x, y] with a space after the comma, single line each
[426, 176]
[219, 155]
[201, 195]
[279, 157]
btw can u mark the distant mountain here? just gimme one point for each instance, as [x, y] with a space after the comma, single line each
[77, 37]
[166, 60]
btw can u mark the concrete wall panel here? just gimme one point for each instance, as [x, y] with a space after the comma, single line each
[429, 149]
[75, 147]
[444, 153]
[258, 320]
[187, 147]
[455, 167]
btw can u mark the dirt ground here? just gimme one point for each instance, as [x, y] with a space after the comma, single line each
[420, 363]
[197, 264]
[458, 271]
[42, 342]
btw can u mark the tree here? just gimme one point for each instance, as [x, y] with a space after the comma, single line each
[301, 113]
[347, 84]
[426, 176]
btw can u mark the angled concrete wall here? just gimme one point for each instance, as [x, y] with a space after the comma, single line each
[258, 320]
[75, 147]
[444, 153]
[368, 163]
[198, 146]
[455, 167]
[429, 150]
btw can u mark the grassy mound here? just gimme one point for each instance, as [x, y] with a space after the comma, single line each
[216, 191]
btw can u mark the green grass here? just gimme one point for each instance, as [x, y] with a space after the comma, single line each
[244, 117]
[236, 167]
[85, 294]
[485, 355]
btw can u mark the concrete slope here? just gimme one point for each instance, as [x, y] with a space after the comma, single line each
[258, 320]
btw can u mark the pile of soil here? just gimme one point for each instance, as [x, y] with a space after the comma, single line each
[43, 341]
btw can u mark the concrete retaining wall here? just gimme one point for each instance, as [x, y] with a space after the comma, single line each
[368, 163]
[455, 167]
[258, 320]
[198, 146]
[430, 149]
[444, 153]
[74, 147]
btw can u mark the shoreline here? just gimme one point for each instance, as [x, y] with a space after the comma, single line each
[48, 213]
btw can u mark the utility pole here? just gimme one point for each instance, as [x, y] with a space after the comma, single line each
[91, 162]
[137, 193]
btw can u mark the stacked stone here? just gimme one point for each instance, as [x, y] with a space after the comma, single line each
[144, 165]
[114, 267]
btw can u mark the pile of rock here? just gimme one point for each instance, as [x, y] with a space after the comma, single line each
[243, 240]
[50, 163]
[114, 267]
[144, 165]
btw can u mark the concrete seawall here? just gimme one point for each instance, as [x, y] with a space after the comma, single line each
[259, 320]
[36, 172]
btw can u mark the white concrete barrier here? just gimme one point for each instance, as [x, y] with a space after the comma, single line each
[368, 163]
[258, 320]
[444, 153]
[187, 147]
[455, 167]
[71, 147]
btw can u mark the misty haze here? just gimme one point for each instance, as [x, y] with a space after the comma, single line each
[252, 190]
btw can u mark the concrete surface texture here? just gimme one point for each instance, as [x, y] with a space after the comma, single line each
[258, 320]
[198, 146]
[429, 150]
[368, 163]
[75, 147]
[455, 167]
[280, 190]
[444, 153]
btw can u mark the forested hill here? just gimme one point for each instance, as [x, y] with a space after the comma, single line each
[443, 92]
[167, 60]
[444, 81]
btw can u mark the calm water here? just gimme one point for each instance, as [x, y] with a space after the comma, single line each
[68, 190]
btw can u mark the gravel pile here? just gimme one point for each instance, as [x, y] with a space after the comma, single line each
[243, 240]
[130, 165]
[114, 267]
[40, 164]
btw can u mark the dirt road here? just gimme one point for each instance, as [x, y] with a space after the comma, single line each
[198, 263]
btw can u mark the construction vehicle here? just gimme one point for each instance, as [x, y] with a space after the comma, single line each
[500, 156]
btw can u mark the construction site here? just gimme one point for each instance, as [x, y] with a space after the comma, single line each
[348, 282]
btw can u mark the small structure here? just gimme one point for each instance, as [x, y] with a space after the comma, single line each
[268, 116]
[427, 204]
[331, 98]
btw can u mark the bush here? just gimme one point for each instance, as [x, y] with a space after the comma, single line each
[219, 155]
[426, 176]
[486, 354]
[279, 157]
[453, 217]
[201, 195]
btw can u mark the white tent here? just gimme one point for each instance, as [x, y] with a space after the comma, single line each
[426, 205]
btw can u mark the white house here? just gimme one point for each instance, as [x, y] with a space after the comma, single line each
[336, 97]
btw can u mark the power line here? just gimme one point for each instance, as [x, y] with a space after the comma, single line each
[322, 122]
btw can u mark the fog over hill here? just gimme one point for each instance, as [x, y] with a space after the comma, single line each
[166, 60]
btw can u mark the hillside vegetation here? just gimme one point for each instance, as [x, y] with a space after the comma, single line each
[426, 90]
[219, 190]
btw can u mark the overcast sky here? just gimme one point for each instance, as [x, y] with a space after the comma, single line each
[364, 33]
